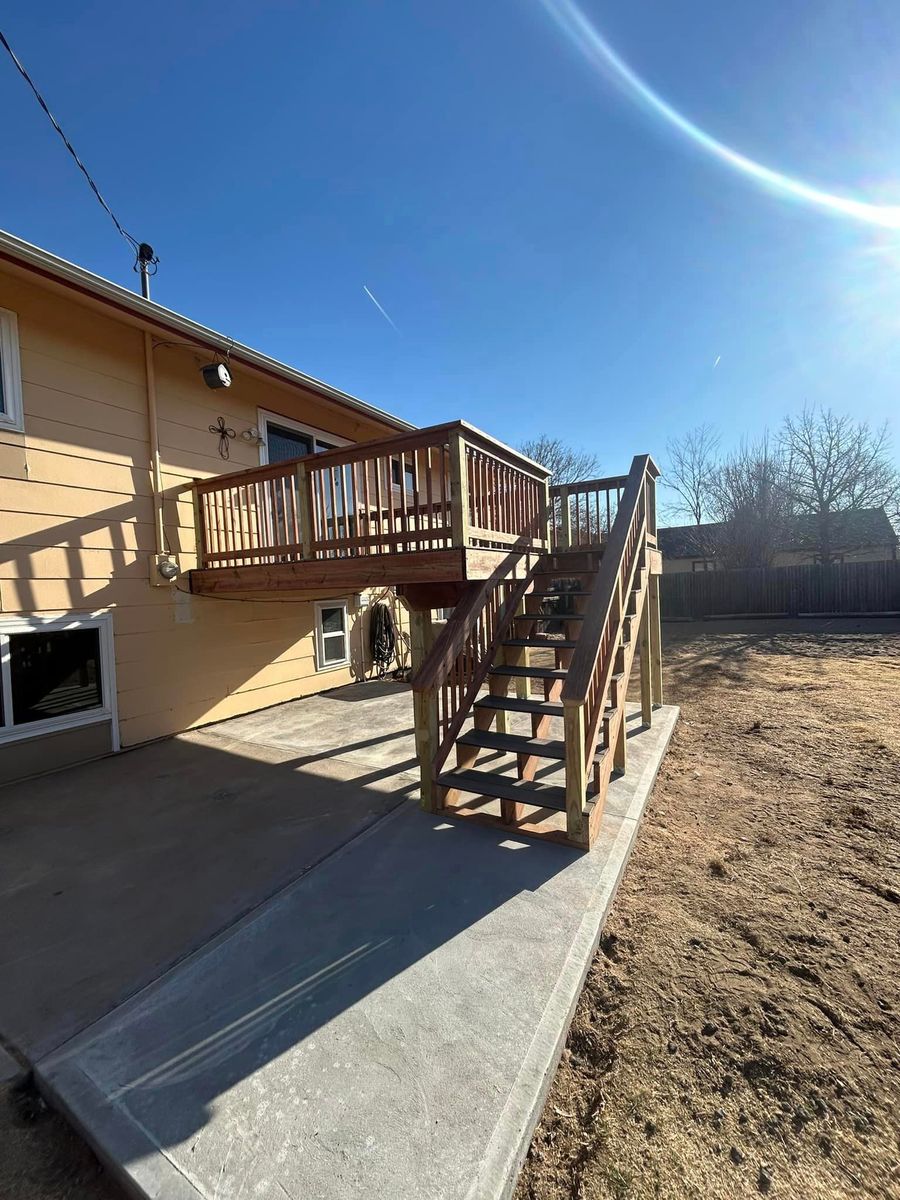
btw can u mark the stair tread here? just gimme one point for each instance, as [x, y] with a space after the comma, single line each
[513, 743]
[529, 672]
[545, 642]
[558, 595]
[543, 708]
[544, 616]
[486, 783]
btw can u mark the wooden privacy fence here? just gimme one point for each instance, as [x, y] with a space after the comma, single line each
[865, 587]
[449, 486]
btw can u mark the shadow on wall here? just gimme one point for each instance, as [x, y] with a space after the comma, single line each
[178, 656]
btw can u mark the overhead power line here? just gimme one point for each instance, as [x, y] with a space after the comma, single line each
[146, 260]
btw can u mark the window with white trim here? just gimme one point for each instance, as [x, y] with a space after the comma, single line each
[332, 635]
[55, 673]
[10, 372]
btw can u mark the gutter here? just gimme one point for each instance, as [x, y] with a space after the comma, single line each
[20, 253]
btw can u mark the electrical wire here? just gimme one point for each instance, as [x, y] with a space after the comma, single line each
[133, 242]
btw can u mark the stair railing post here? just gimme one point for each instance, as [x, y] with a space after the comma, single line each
[576, 773]
[651, 505]
[655, 640]
[646, 682]
[547, 523]
[304, 509]
[459, 491]
[565, 519]
[425, 708]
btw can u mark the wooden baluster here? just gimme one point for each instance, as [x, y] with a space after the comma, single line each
[305, 508]
[404, 515]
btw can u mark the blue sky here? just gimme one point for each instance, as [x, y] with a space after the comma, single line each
[546, 247]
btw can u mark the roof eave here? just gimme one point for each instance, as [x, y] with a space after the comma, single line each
[41, 262]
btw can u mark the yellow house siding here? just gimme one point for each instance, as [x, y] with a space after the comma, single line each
[77, 512]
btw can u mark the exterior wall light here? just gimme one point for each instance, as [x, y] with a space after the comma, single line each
[216, 375]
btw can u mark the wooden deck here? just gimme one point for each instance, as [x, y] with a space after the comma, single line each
[440, 505]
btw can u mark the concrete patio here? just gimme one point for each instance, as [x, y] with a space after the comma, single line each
[114, 871]
[267, 974]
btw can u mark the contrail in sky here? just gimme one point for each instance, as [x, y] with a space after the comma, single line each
[380, 309]
[716, 363]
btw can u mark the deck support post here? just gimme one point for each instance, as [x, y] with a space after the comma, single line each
[425, 709]
[304, 510]
[655, 640]
[576, 774]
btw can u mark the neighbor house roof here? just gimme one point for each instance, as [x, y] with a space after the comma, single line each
[855, 528]
[32, 259]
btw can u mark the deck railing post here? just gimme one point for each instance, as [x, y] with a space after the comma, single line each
[425, 708]
[576, 772]
[459, 490]
[199, 527]
[304, 508]
[547, 523]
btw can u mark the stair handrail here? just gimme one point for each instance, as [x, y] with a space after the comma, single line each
[603, 617]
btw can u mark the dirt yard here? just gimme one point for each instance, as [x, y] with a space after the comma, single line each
[739, 1031]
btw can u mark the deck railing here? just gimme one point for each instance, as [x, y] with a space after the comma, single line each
[449, 486]
[584, 512]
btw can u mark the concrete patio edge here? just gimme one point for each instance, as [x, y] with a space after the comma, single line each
[512, 1136]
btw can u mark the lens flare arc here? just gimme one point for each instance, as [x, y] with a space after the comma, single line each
[581, 31]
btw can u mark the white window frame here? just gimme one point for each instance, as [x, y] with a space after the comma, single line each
[11, 370]
[321, 664]
[91, 716]
[265, 416]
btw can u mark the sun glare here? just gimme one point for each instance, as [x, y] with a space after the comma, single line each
[578, 27]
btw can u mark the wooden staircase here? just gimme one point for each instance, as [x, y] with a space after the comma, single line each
[531, 702]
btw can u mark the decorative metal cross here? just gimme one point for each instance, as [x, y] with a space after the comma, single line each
[225, 436]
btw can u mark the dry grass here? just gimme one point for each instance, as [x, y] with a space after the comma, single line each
[738, 1033]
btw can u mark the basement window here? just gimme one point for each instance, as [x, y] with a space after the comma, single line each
[10, 372]
[332, 638]
[55, 673]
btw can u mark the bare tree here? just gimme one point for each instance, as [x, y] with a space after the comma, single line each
[567, 464]
[835, 462]
[692, 468]
[748, 499]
